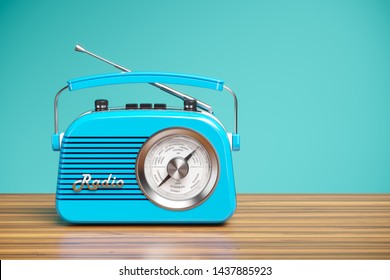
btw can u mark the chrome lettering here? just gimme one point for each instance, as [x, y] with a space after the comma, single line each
[107, 183]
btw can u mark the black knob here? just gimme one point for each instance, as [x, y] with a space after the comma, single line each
[145, 106]
[190, 105]
[101, 105]
[131, 106]
[160, 106]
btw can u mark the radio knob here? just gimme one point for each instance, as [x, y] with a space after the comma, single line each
[131, 106]
[145, 106]
[190, 105]
[101, 105]
[160, 106]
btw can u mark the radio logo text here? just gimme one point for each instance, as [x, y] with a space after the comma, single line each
[110, 182]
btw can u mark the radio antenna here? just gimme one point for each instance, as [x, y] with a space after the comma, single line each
[162, 87]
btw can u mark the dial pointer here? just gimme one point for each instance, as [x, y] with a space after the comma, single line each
[163, 181]
[190, 155]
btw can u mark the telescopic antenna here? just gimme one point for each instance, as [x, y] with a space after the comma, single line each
[165, 88]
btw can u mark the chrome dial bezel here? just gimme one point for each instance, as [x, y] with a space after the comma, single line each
[164, 202]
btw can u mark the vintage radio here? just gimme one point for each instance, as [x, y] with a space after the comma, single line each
[146, 163]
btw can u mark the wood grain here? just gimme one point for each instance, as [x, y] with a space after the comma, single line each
[263, 227]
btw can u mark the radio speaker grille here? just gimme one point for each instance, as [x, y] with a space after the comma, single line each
[99, 157]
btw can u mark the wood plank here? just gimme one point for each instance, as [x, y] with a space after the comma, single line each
[269, 226]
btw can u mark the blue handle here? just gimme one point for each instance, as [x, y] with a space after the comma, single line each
[145, 77]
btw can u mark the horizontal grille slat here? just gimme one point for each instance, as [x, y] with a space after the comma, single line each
[104, 138]
[103, 148]
[94, 162]
[134, 190]
[102, 145]
[99, 153]
[123, 156]
[64, 169]
[88, 197]
[99, 156]
[68, 191]
[93, 166]
[99, 198]
[94, 172]
[102, 176]
[129, 177]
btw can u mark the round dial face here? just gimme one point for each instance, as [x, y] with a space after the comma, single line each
[177, 168]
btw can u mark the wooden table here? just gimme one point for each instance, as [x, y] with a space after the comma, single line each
[264, 227]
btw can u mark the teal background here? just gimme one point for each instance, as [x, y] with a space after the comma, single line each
[312, 78]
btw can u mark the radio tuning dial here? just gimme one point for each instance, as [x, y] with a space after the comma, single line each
[177, 168]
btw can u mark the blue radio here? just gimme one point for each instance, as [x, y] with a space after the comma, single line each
[145, 163]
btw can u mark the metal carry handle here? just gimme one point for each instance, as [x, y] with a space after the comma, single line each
[145, 77]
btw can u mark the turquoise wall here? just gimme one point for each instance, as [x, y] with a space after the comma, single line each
[312, 77]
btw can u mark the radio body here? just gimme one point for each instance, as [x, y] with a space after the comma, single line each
[148, 164]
